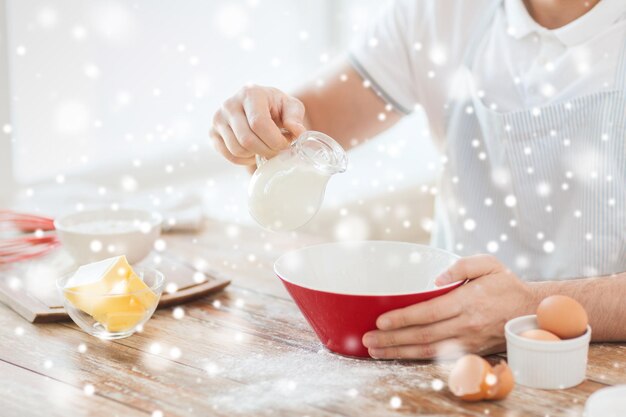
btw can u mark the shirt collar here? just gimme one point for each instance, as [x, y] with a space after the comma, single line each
[596, 20]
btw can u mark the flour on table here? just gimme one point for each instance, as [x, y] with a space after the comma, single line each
[287, 381]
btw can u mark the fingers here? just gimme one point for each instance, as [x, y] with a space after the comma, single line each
[414, 335]
[249, 123]
[443, 349]
[424, 313]
[470, 267]
[245, 136]
[220, 146]
[257, 109]
[292, 115]
[234, 147]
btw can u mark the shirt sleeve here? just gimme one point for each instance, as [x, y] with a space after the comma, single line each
[381, 55]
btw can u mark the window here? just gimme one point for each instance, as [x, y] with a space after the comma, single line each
[108, 82]
[104, 87]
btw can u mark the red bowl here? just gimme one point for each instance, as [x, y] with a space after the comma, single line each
[341, 288]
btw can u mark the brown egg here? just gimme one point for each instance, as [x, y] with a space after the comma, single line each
[473, 379]
[504, 382]
[538, 334]
[563, 316]
[468, 379]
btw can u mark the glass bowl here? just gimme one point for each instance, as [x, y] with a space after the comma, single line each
[113, 316]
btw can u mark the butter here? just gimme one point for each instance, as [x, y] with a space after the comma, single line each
[111, 293]
[100, 276]
[119, 313]
[119, 322]
[94, 280]
[136, 286]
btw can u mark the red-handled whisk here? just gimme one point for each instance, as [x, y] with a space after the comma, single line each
[39, 239]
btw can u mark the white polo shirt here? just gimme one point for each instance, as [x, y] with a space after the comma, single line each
[413, 52]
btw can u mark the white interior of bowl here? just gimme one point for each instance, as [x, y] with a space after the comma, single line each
[139, 219]
[365, 268]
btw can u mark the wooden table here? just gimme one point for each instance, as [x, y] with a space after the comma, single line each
[245, 351]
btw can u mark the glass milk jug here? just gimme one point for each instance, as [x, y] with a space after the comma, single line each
[287, 190]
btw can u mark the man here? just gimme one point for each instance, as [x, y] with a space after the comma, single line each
[527, 101]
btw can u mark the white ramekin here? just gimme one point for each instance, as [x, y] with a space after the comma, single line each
[607, 402]
[544, 364]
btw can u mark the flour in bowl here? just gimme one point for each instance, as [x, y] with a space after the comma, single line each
[109, 226]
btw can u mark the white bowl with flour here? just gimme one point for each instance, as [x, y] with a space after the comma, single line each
[90, 236]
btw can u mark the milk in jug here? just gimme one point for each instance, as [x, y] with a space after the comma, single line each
[287, 190]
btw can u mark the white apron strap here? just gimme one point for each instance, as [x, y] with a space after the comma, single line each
[620, 74]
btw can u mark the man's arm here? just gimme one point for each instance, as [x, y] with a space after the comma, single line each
[604, 298]
[342, 105]
[337, 103]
